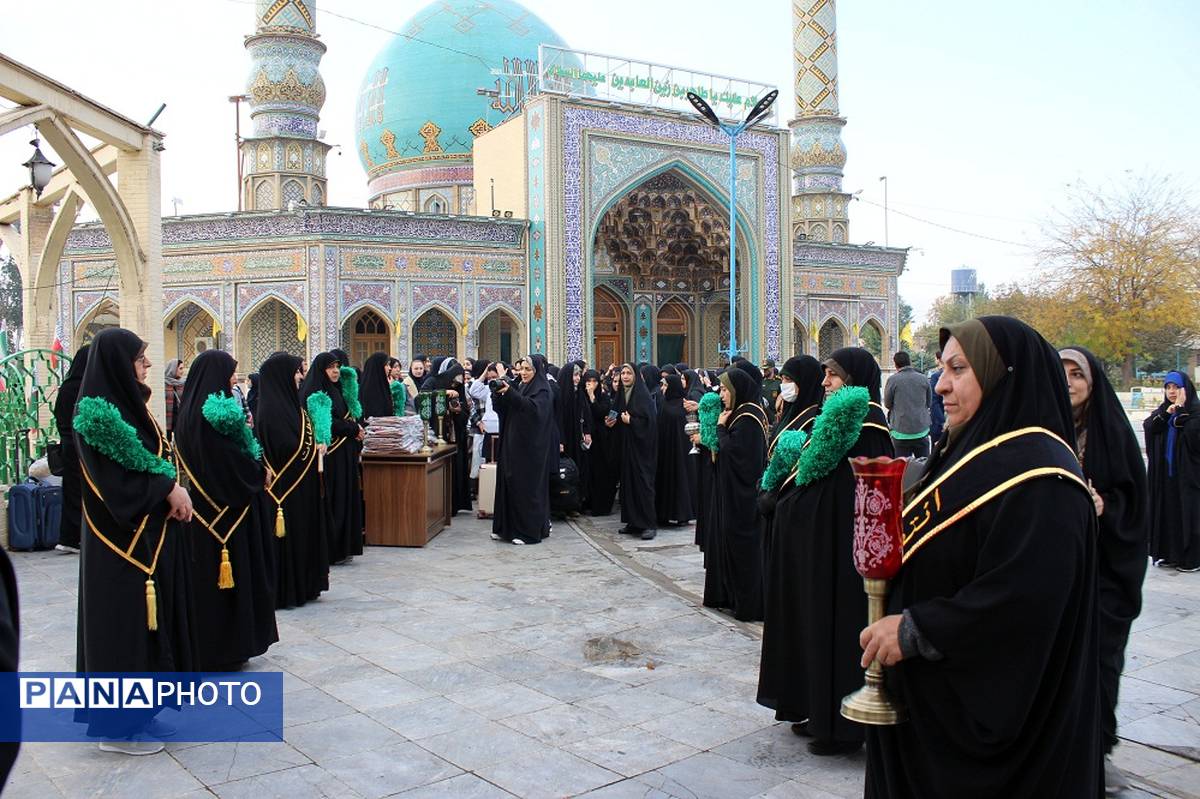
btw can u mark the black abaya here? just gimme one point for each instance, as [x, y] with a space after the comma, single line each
[672, 488]
[604, 458]
[522, 509]
[1001, 683]
[639, 455]
[343, 493]
[72, 488]
[375, 392]
[1175, 485]
[733, 557]
[285, 432]
[454, 430]
[816, 607]
[226, 485]
[113, 630]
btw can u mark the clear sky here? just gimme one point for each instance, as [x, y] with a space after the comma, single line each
[979, 113]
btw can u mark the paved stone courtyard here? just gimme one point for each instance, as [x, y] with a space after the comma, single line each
[583, 666]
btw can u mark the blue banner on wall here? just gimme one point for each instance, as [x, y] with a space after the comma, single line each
[79, 707]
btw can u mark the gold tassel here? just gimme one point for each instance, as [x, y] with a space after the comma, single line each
[151, 605]
[225, 573]
[280, 529]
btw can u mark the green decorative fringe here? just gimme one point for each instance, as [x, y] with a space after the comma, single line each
[320, 410]
[349, 384]
[226, 416]
[834, 432]
[399, 397]
[710, 412]
[101, 425]
[783, 460]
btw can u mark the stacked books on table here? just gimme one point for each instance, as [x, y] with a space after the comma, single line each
[388, 435]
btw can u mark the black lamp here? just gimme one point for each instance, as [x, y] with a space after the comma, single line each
[40, 168]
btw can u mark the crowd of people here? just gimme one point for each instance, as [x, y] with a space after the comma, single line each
[1028, 521]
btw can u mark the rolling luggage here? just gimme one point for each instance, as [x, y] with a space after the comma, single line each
[564, 487]
[487, 490]
[34, 515]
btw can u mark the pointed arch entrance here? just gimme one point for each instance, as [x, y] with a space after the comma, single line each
[269, 328]
[498, 336]
[610, 325]
[831, 337]
[365, 334]
[188, 333]
[102, 317]
[667, 240]
[434, 333]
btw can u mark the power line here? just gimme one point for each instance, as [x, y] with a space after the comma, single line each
[952, 229]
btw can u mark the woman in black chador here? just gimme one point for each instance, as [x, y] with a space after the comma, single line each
[72, 488]
[733, 556]
[1173, 452]
[800, 394]
[376, 392]
[813, 617]
[638, 423]
[991, 638]
[232, 561]
[289, 451]
[522, 513]
[705, 460]
[135, 606]
[343, 493]
[604, 458]
[448, 376]
[672, 488]
[1112, 464]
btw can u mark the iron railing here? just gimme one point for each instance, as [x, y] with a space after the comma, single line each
[30, 385]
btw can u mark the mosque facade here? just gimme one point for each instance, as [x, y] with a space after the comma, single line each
[511, 211]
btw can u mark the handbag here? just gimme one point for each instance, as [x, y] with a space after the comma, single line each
[54, 458]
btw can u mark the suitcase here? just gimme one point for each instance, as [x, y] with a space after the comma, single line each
[34, 516]
[564, 487]
[22, 517]
[487, 490]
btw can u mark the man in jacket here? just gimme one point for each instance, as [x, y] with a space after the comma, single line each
[907, 397]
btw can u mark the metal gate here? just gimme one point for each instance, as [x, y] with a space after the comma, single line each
[30, 385]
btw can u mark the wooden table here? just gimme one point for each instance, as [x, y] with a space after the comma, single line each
[408, 497]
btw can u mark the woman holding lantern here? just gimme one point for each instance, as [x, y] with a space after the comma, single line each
[991, 645]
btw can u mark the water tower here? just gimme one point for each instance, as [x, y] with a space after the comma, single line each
[963, 283]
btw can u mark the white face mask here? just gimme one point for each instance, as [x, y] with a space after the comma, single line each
[789, 391]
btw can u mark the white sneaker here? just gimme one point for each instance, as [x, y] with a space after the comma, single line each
[141, 745]
[496, 537]
[68, 549]
[518, 542]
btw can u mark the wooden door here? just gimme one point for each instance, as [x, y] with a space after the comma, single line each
[370, 336]
[608, 324]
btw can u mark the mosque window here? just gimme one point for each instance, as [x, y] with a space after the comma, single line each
[293, 192]
[264, 196]
[318, 196]
[435, 205]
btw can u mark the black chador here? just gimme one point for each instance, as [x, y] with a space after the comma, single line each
[998, 595]
[526, 411]
[1112, 463]
[604, 458]
[375, 393]
[672, 489]
[815, 607]
[343, 492]
[638, 423]
[135, 611]
[733, 557]
[805, 373]
[72, 484]
[705, 473]
[1173, 452]
[290, 452]
[448, 376]
[230, 531]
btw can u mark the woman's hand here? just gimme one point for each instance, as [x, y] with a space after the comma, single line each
[690, 406]
[268, 477]
[724, 417]
[610, 422]
[779, 405]
[451, 393]
[323, 449]
[695, 439]
[1097, 500]
[180, 504]
[361, 434]
[882, 640]
[625, 417]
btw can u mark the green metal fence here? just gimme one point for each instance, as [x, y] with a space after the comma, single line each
[31, 380]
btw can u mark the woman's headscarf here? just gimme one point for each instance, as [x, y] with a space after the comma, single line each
[68, 392]
[375, 392]
[428, 383]
[694, 388]
[636, 396]
[169, 374]
[807, 373]
[1022, 380]
[316, 380]
[674, 389]
[448, 370]
[479, 367]
[857, 367]
[278, 425]
[252, 395]
[110, 374]
[741, 387]
[539, 380]
[651, 376]
[1189, 405]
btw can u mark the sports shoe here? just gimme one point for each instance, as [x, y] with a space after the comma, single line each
[648, 535]
[1187, 571]
[136, 746]
[70, 550]
[496, 537]
[518, 542]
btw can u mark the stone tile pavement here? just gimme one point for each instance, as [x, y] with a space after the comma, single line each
[580, 667]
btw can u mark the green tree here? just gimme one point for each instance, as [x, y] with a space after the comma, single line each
[11, 300]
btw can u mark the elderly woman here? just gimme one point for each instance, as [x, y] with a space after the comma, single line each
[991, 640]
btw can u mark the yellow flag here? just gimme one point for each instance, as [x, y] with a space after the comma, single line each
[301, 328]
[906, 336]
[855, 330]
[814, 334]
[216, 327]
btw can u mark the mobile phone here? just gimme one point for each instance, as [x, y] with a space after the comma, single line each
[613, 415]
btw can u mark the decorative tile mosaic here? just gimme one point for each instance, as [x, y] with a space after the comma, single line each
[207, 297]
[426, 295]
[837, 309]
[357, 294]
[250, 294]
[510, 297]
[262, 263]
[535, 140]
[329, 318]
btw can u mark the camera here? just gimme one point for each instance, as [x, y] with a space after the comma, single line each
[497, 384]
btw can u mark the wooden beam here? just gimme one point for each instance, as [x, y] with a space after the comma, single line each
[25, 86]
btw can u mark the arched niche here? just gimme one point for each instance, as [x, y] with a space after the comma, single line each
[832, 336]
[499, 336]
[800, 342]
[365, 333]
[674, 333]
[106, 314]
[189, 332]
[434, 333]
[270, 327]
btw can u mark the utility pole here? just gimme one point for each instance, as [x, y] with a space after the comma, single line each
[885, 210]
[237, 140]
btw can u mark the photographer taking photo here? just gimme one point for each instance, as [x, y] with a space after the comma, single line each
[525, 410]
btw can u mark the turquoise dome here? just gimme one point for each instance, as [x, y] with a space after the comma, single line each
[419, 101]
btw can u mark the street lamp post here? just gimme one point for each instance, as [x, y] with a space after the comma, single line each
[41, 168]
[755, 116]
